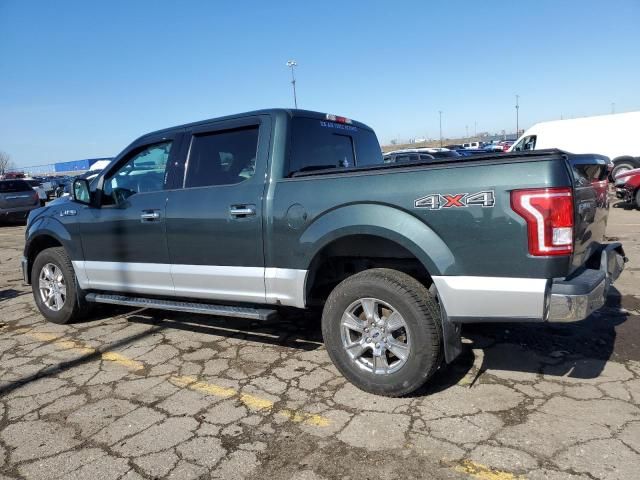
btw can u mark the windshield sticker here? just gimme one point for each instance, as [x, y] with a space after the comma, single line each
[338, 126]
[437, 201]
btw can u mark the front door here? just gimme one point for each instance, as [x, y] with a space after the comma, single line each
[214, 221]
[124, 241]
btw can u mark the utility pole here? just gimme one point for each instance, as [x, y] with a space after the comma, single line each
[292, 64]
[517, 115]
[467, 127]
[440, 112]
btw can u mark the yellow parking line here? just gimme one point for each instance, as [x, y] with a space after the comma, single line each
[251, 401]
[67, 344]
[122, 360]
[192, 384]
[482, 472]
[304, 417]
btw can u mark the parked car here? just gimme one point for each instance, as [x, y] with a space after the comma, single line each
[291, 208]
[614, 136]
[493, 147]
[17, 199]
[419, 155]
[628, 186]
[37, 186]
[506, 145]
[13, 175]
[64, 190]
[51, 184]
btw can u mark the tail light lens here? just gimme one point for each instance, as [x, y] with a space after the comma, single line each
[549, 216]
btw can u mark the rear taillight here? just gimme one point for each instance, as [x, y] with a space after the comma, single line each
[549, 216]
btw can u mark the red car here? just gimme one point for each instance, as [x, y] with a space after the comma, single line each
[506, 145]
[628, 186]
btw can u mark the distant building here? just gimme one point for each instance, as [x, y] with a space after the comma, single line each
[70, 167]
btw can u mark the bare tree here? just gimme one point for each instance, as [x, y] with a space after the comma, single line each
[5, 162]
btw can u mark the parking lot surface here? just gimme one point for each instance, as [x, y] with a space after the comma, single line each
[136, 394]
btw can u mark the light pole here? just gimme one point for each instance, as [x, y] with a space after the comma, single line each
[517, 115]
[475, 129]
[292, 64]
[467, 127]
[440, 112]
[613, 107]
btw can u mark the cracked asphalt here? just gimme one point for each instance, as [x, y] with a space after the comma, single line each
[134, 394]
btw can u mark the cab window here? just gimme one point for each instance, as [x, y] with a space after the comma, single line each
[222, 158]
[144, 172]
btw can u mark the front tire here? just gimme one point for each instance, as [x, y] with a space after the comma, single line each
[382, 331]
[54, 287]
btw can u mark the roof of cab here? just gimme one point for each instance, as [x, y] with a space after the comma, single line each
[268, 111]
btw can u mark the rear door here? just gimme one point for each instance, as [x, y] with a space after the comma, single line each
[214, 215]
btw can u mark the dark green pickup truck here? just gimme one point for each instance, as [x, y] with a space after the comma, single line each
[240, 215]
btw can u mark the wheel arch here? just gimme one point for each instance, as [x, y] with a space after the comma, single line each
[46, 234]
[380, 234]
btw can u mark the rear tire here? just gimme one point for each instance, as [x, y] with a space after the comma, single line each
[638, 198]
[55, 289]
[382, 331]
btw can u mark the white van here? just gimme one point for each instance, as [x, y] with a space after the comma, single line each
[615, 136]
[472, 145]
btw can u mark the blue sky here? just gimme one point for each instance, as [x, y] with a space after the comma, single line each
[81, 79]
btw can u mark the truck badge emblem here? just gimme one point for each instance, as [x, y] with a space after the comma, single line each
[437, 201]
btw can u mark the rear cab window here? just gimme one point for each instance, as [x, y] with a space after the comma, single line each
[317, 144]
[10, 186]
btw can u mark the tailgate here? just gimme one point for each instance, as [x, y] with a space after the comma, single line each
[16, 194]
[17, 199]
[591, 203]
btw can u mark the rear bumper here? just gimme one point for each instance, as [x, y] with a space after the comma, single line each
[575, 299]
[624, 193]
[18, 213]
[508, 299]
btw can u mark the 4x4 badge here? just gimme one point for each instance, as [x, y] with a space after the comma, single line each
[437, 201]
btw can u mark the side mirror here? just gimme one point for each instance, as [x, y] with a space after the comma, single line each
[81, 191]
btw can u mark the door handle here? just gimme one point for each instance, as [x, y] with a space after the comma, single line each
[242, 211]
[149, 216]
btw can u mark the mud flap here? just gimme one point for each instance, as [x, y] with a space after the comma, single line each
[451, 337]
[451, 332]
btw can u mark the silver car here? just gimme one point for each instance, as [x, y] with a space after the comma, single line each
[17, 199]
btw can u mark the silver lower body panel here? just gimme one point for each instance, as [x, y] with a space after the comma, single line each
[507, 299]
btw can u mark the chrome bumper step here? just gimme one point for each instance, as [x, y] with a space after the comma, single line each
[260, 314]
